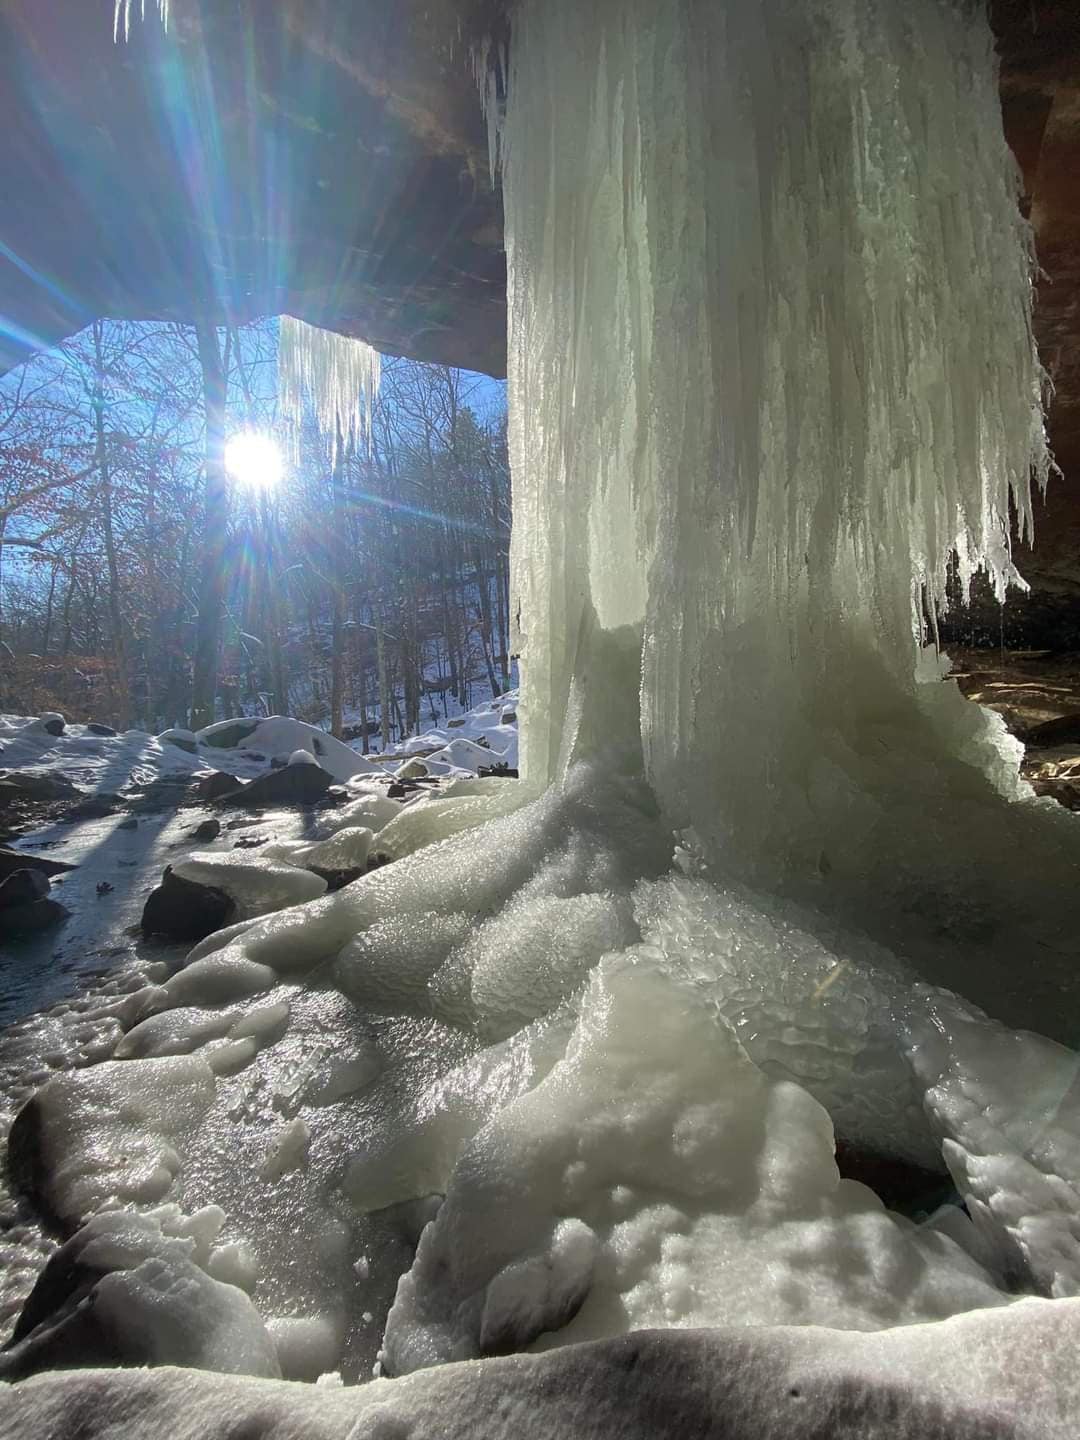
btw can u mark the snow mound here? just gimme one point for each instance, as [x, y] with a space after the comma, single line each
[1009, 1372]
[486, 735]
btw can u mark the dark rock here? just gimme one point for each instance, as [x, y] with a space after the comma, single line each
[250, 842]
[1062, 730]
[229, 736]
[95, 807]
[23, 887]
[338, 879]
[181, 742]
[216, 785]
[131, 823]
[905, 1187]
[104, 888]
[17, 920]
[294, 785]
[396, 790]
[35, 785]
[208, 830]
[509, 717]
[278, 762]
[12, 860]
[55, 726]
[184, 910]
[96, 728]
[498, 771]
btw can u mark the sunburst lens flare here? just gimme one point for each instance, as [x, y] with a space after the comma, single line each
[253, 461]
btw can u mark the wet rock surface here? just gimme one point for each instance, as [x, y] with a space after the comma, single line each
[185, 910]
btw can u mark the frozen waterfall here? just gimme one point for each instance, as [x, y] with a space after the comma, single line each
[592, 1036]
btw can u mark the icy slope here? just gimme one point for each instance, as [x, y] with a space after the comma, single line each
[1002, 1373]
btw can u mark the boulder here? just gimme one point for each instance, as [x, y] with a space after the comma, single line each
[34, 785]
[17, 921]
[217, 784]
[182, 739]
[94, 807]
[95, 727]
[208, 830]
[301, 784]
[23, 887]
[185, 910]
[227, 737]
[12, 860]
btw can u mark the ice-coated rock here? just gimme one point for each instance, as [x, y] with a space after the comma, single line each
[131, 1289]
[112, 1133]
[186, 908]
[254, 884]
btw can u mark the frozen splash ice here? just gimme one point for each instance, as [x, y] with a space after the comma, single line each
[337, 375]
[770, 364]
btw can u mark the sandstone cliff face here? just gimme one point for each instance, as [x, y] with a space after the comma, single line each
[328, 158]
[1039, 46]
[321, 158]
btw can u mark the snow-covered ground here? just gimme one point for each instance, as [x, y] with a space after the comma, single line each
[244, 747]
[486, 735]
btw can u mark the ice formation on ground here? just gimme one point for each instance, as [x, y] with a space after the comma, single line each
[750, 254]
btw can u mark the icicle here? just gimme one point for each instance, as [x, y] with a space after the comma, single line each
[339, 375]
[122, 13]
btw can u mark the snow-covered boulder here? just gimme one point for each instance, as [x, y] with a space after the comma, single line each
[182, 739]
[281, 737]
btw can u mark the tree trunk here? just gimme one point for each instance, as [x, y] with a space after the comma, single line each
[384, 688]
[337, 579]
[121, 697]
[216, 510]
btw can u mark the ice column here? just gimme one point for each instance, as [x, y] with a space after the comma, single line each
[771, 364]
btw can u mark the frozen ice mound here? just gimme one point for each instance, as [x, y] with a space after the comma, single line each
[1006, 1105]
[346, 849]
[824, 1015]
[256, 885]
[110, 1134]
[656, 1177]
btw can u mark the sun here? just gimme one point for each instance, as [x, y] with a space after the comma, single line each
[253, 460]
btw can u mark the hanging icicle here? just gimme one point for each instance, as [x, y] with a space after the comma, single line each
[122, 16]
[338, 375]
